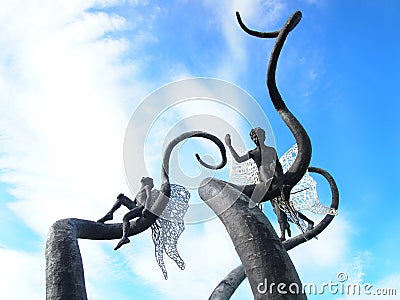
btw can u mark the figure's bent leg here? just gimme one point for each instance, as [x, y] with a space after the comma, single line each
[309, 222]
[121, 200]
[282, 220]
[133, 213]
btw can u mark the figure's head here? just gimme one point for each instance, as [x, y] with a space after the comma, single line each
[257, 135]
[147, 181]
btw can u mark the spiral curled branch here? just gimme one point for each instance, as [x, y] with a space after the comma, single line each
[64, 269]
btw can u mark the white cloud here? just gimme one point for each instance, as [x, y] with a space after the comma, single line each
[208, 253]
[19, 275]
[354, 285]
[64, 112]
[322, 261]
[356, 269]
[261, 13]
[326, 252]
[63, 119]
[64, 95]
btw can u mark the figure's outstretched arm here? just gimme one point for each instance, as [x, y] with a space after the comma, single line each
[235, 155]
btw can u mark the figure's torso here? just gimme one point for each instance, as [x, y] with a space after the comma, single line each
[265, 159]
[141, 197]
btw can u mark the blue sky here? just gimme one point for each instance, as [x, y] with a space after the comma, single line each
[72, 73]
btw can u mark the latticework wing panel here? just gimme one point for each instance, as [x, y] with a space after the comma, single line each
[169, 226]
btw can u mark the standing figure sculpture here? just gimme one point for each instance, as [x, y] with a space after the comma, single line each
[137, 208]
[270, 172]
[269, 169]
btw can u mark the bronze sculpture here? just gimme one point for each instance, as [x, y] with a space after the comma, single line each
[262, 253]
[265, 247]
[270, 171]
[137, 208]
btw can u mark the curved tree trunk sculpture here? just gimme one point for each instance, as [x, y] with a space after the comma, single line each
[231, 282]
[259, 248]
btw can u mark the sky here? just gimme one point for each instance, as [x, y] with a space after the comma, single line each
[73, 72]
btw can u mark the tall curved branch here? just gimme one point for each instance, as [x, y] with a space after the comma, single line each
[300, 165]
[231, 282]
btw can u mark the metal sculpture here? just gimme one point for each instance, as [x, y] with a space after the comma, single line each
[303, 196]
[65, 277]
[267, 260]
[263, 255]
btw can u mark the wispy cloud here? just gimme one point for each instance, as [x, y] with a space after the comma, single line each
[66, 93]
[64, 121]
[64, 89]
[319, 260]
[209, 255]
[262, 13]
[19, 275]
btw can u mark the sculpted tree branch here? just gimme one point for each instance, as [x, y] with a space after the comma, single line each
[231, 282]
[263, 256]
[299, 167]
[64, 270]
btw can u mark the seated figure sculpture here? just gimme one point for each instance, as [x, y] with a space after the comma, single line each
[137, 208]
[270, 171]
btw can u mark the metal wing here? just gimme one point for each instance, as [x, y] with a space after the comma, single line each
[304, 194]
[169, 226]
[242, 173]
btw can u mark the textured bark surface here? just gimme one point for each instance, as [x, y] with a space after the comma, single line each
[259, 248]
[231, 282]
[64, 269]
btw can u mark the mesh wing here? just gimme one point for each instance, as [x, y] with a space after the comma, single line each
[169, 226]
[242, 173]
[291, 213]
[304, 194]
